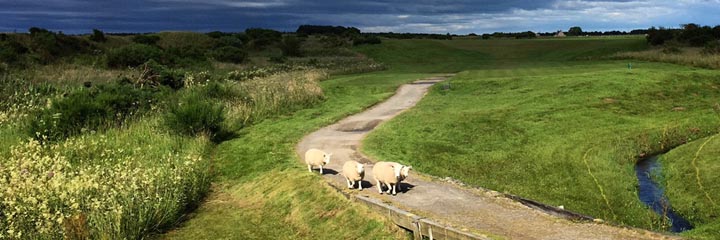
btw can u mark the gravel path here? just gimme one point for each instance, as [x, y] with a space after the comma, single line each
[479, 211]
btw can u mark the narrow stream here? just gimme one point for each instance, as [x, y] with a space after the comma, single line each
[653, 195]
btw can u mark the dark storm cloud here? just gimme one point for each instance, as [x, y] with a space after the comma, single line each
[441, 16]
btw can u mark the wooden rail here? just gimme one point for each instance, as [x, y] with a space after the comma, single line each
[421, 227]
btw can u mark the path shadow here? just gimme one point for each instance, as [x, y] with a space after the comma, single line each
[402, 188]
[328, 171]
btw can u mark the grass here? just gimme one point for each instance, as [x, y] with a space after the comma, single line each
[556, 127]
[70, 189]
[153, 162]
[254, 169]
[686, 56]
[439, 56]
[692, 185]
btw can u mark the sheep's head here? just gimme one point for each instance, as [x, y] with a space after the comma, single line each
[406, 171]
[360, 168]
[397, 171]
[326, 158]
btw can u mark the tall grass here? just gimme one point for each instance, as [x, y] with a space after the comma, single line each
[685, 56]
[131, 179]
[255, 100]
[121, 184]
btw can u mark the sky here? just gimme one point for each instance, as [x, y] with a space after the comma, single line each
[418, 16]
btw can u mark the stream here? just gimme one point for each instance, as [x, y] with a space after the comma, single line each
[653, 195]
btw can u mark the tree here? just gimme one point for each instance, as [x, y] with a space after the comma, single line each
[97, 36]
[575, 31]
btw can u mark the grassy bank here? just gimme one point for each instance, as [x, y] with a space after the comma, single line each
[692, 183]
[565, 132]
[258, 175]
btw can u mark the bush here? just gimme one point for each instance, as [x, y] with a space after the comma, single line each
[146, 39]
[194, 114]
[229, 54]
[672, 47]
[97, 36]
[260, 38]
[11, 51]
[154, 74]
[89, 109]
[366, 40]
[290, 46]
[132, 55]
[659, 36]
[712, 48]
[232, 41]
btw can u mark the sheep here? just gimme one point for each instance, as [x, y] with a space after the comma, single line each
[316, 157]
[389, 174]
[353, 172]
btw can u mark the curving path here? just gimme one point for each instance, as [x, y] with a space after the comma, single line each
[479, 211]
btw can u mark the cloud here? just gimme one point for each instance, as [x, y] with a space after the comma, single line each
[438, 16]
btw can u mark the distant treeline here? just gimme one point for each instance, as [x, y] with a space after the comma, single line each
[414, 35]
[575, 31]
[338, 34]
[690, 34]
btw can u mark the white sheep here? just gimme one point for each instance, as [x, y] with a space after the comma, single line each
[353, 172]
[390, 174]
[316, 157]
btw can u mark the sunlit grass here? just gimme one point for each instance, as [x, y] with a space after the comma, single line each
[563, 138]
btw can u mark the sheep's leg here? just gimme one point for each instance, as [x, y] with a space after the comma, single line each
[393, 189]
[389, 188]
[360, 185]
[321, 170]
[377, 183]
[309, 168]
[350, 185]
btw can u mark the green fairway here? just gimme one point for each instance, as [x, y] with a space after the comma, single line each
[467, 54]
[555, 128]
[261, 192]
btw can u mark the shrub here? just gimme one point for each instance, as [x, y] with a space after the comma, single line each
[290, 46]
[154, 75]
[89, 109]
[132, 55]
[217, 34]
[11, 51]
[97, 36]
[229, 54]
[260, 38]
[712, 47]
[194, 114]
[232, 41]
[368, 39]
[146, 39]
[671, 49]
[659, 36]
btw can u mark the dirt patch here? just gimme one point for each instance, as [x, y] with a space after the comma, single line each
[359, 126]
